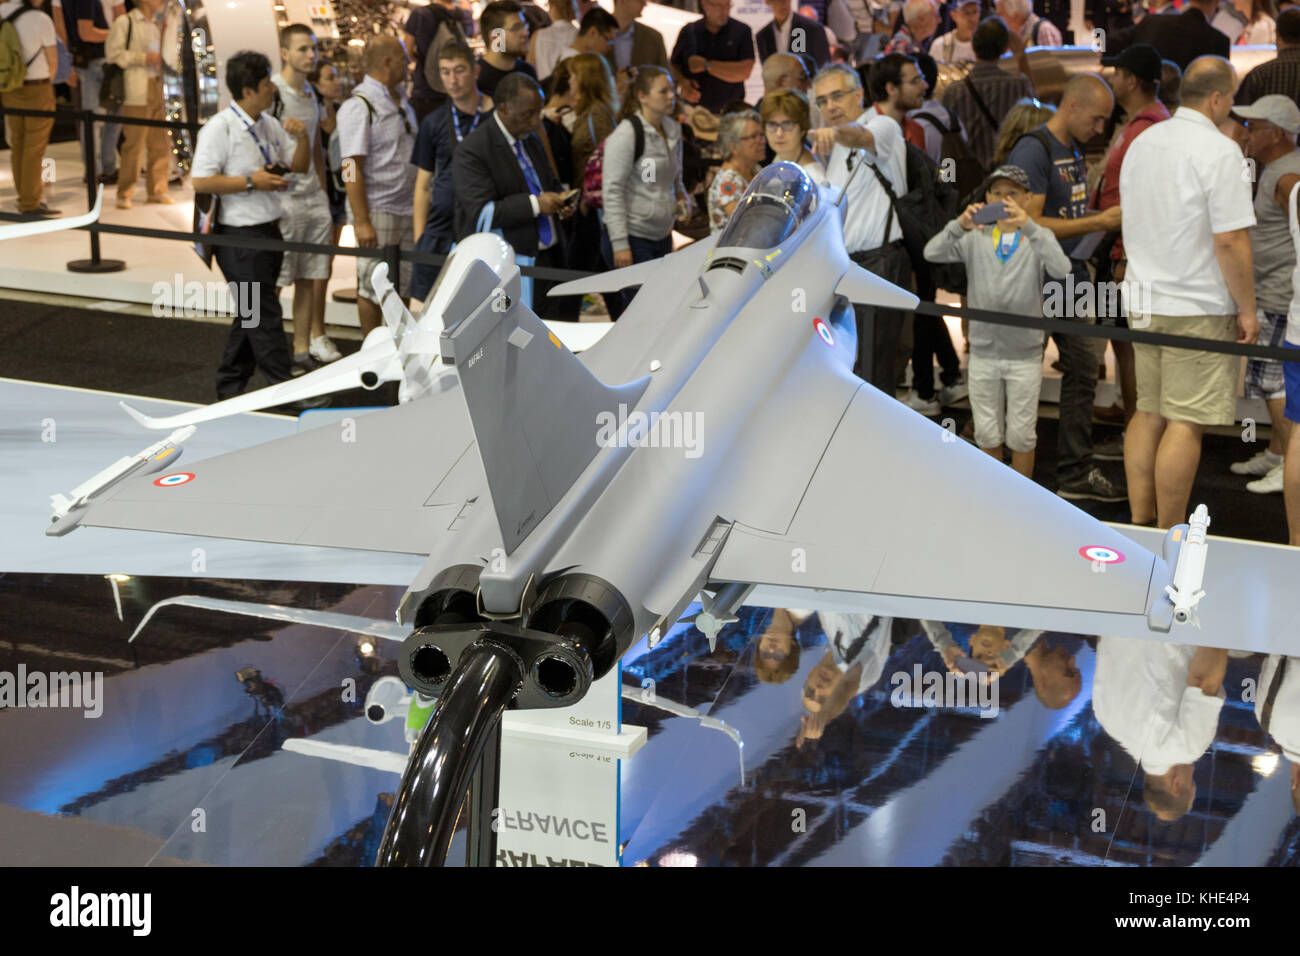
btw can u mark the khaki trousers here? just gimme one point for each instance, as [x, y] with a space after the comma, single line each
[139, 138]
[28, 137]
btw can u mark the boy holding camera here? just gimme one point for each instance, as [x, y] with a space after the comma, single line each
[1006, 254]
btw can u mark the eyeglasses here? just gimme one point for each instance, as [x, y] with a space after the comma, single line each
[781, 126]
[751, 137]
[838, 95]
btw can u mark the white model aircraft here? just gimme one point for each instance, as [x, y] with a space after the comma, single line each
[21, 230]
[404, 349]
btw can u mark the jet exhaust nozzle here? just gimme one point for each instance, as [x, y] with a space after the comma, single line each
[587, 611]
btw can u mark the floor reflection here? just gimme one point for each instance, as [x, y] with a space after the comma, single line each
[801, 738]
[1080, 751]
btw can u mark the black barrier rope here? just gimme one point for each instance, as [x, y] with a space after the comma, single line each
[398, 253]
[1085, 329]
[102, 118]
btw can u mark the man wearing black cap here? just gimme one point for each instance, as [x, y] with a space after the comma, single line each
[1136, 84]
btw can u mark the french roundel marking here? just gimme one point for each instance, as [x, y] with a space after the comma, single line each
[1101, 554]
[174, 479]
[824, 331]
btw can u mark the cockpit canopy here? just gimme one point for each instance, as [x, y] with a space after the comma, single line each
[778, 201]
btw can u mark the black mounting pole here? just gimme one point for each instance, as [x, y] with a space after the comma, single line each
[484, 798]
[94, 263]
[464, 727]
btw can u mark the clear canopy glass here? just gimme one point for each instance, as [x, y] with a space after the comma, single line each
[777, 202]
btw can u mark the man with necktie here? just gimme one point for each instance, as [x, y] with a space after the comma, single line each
[503, 163]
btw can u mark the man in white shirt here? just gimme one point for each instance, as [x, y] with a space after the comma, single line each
[955, 45]
[376, 135]
[1277, 707]
[858, 647]
[853, 137]
[306, 208]
[233, 159]
[29, 135]
[1161, 703]
[1187, 213]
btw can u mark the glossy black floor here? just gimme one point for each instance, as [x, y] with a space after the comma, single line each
[814, 755]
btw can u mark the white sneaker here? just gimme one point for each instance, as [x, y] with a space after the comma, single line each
[915, 401]
[323, 350]
[954, 393]
[1261, 464]
[1270, 484]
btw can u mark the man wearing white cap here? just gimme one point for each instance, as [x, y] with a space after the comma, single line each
[955, 45]
[1271, 124]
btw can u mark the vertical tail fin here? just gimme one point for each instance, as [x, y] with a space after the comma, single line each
[534, 406]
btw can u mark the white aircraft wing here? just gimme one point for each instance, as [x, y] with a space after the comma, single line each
[367, 626]
[349, 753]
[901, 517]
[376, 363]
[21, 230]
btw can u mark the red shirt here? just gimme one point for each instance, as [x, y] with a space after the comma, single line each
[913, 131]
[1108, 194]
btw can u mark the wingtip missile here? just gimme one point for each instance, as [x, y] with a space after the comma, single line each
[68, 509]
[1185, 592]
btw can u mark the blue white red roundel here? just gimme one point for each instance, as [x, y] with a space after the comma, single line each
[1101, 554]
[175, 478]
[824, 331]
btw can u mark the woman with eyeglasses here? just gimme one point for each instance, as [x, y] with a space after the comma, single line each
[741, 140]
[786, 123]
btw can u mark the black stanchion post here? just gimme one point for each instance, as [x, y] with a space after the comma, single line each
[393, 256]
[94, 263]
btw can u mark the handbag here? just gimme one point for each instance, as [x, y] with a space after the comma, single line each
[112, 90]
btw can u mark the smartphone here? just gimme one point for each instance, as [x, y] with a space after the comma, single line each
[278, 169]
[571, 196]
[990, 214]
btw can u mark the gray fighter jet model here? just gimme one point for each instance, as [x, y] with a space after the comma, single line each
[716, 439]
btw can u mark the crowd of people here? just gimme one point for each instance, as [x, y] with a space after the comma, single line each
[586, 143]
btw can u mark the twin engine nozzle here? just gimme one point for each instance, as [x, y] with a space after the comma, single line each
[572, 634]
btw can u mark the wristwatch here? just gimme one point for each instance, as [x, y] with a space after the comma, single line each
[248, 184]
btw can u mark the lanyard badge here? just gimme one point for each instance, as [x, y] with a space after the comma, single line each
[1005, 245]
